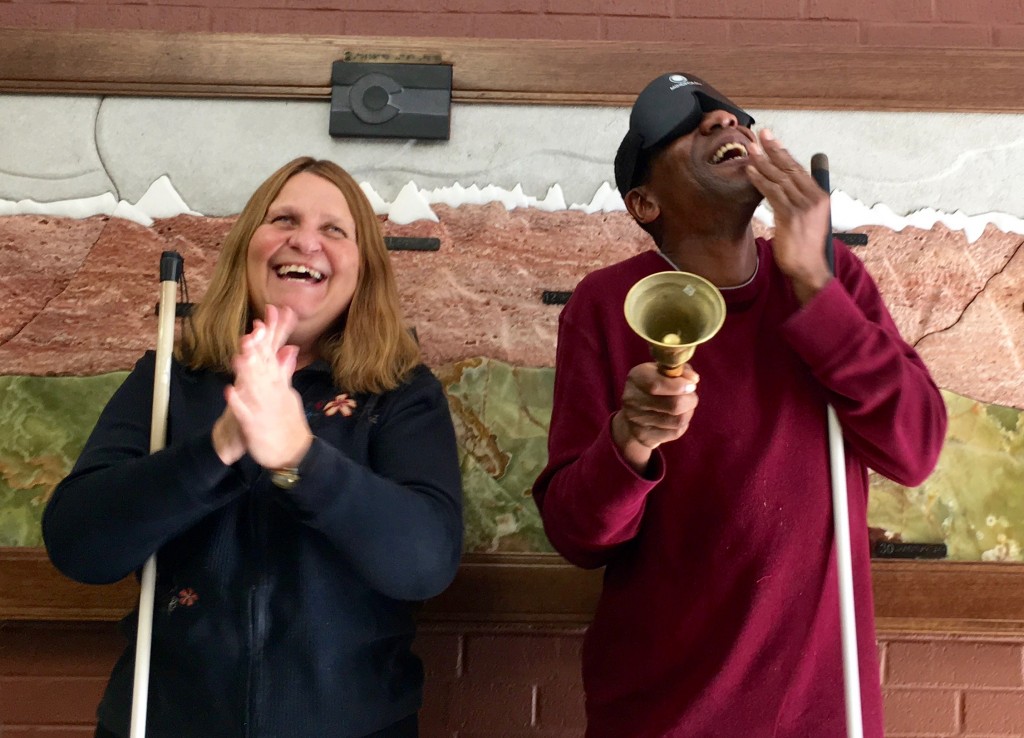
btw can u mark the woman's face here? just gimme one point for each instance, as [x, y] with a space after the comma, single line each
[304, 256]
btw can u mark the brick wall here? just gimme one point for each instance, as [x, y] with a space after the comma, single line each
[879, 23]
[501, 682]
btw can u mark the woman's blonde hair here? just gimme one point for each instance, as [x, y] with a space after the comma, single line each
[368, 348]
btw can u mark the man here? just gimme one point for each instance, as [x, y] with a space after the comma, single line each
[719, 614]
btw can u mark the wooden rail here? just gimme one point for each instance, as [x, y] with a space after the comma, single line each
[152, 63]
[542, 589]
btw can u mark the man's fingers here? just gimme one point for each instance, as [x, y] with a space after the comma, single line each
[653, 436]
[776, 165]
[776, 194]
[638, 403]
[658, 421]
[646, 378]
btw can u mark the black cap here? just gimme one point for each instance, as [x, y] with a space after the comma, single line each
[669, 107]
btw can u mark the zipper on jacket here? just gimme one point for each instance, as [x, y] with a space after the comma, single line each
[258, 604]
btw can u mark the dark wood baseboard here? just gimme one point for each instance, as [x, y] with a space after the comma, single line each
[543, 590]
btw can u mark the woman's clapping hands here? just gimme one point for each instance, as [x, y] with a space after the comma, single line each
[264, 416]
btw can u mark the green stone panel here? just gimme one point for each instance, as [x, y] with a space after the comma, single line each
[974, 501]
[44, 423]
[501, 416]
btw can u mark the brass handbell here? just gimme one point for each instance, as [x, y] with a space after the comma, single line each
[674, 312]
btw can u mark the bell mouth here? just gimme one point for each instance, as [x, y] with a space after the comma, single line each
[674, 312]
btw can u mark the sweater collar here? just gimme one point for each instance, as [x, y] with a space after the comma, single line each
[742, 294]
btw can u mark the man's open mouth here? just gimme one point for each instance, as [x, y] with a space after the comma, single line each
[728, 152]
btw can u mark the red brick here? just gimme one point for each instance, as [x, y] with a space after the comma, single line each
[736, 9]
[455, 25]
[955, 664]
[441, 654]
[522, 658]
[31, 649]
[31, 700]
[36, 731]
[980, 11]
[493, 6]
[644, 8]
[536, 26]
[926, 34]
[560, 705]
[243, 20]
[50, 17]
[1009, 37]
[675, 30]
[870, 10]
[839, 33]
[920, 711]
[994, 713]
[491, 707]
[291, 5]
[435, 715]
[573, 7]
[143, 17]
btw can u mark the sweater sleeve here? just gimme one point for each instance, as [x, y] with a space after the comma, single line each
[591, 500]
[120, 503]
[398, 521]
[893, 416]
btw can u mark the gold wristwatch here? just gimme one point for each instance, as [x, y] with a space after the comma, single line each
[285, 477]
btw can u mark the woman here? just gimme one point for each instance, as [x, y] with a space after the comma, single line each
[308, 497]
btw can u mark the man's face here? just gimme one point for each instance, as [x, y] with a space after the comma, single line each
[707, 165]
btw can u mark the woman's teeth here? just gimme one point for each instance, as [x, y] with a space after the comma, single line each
[298, 271]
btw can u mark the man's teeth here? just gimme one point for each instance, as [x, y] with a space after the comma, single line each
[729, 151]
[299, 271]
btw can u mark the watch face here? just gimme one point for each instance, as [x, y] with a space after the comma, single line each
[284, 478]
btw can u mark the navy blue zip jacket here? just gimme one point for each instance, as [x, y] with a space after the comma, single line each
[278, 613]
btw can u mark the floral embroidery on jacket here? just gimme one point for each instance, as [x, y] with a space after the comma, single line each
[188, 597]
[342, 404]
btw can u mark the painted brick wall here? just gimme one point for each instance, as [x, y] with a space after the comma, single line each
[881, 23]
[520, 683]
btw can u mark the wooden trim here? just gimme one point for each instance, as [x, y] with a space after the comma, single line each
[543, 590]
[510, 71]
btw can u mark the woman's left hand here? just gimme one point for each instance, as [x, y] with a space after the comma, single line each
[262, 399]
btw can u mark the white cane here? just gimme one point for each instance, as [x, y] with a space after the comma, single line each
[170, 272]
[841, 522]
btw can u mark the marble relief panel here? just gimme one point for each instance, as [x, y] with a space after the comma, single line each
[487, 334]
[216, 151]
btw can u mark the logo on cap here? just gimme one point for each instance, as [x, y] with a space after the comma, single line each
[679, 80]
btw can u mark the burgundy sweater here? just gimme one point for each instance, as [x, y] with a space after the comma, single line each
[719, 614]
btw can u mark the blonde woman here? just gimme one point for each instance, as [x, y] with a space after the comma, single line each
[308, 497]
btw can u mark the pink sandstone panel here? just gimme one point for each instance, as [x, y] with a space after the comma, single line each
[39, 256]
[102, 318]
[90, 310]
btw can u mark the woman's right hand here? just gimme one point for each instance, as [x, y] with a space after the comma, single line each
[261, 347]
[268, 410]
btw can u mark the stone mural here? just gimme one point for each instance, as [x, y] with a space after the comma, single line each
[78, 301]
